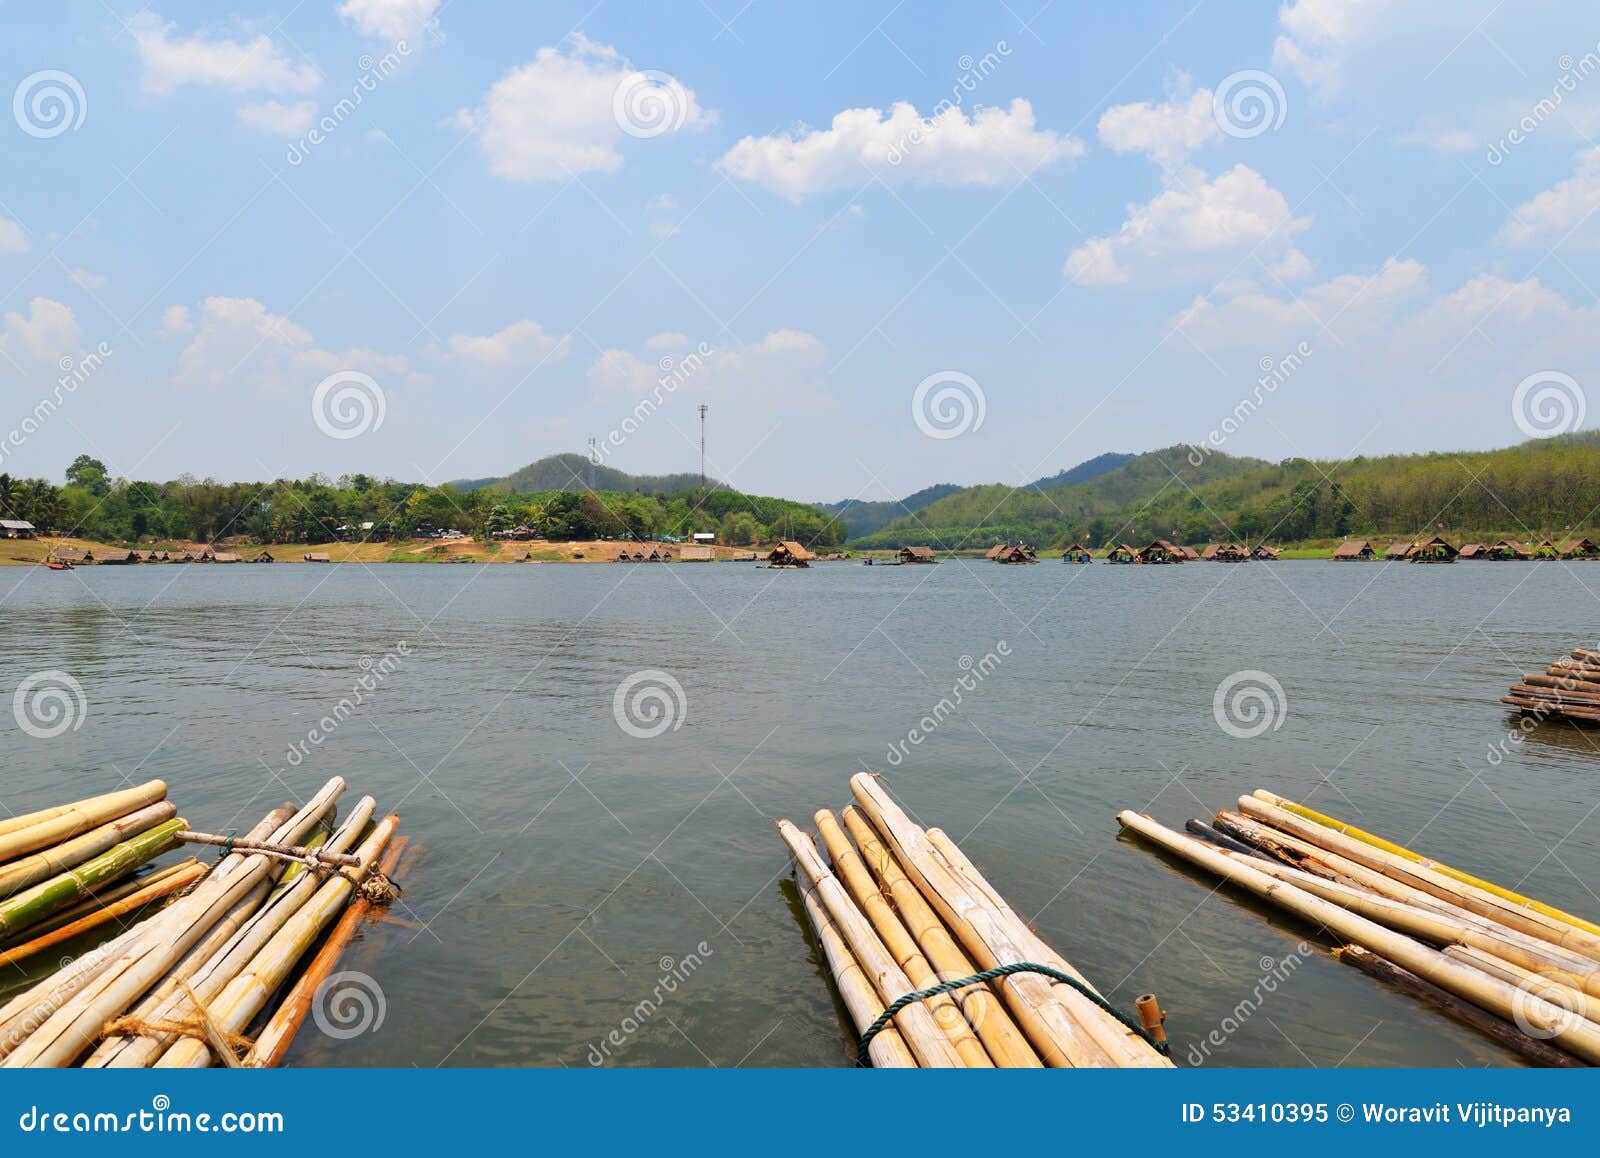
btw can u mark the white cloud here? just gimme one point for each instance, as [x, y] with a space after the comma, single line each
[1197, 225]
[520, 343]
[1166, 133]
[994, 146]
[668, 341]
[45, 333]
[88, 279]
[1562, 215]
[12, 237]
[1317, 35]
[392, 20]
[782, 364]
[284, 120]
[1348, 305]
[254, 65]
[562, 114]
[238, 342]
[177, 320]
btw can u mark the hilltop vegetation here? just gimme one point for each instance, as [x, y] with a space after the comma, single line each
[574, 472]
[1543, 487]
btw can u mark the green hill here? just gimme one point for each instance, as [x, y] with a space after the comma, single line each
[862, 518]
[574, 472]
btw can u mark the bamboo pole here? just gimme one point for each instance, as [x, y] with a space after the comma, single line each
[137, 1050]
[1552, 987]
[1058, 1038]
[305, 855]
[888, 1049]
[1486, 1023]
[1127, 1048]
[985, 1012]
[79, 817]
[32, 904]
[101, 897]
[30, 1009]
[152, 891]
[250, 991]
[1437, 866]
[1422, 876]
[161, 943]
[847, 866]
[916, 1022]
[275, 1037]
[1464, 981]
[49, 862]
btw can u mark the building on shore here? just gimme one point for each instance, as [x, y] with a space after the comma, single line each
[17, 529]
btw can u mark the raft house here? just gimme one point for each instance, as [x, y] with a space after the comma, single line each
[1433, 550]
[1224, 553]
[318, 557]
[918, 555]
[1163, 551]
[1077, 553]
[789, 554]
[1357, 550]
[1580, 549]
[1122, 553]
[1012, 553]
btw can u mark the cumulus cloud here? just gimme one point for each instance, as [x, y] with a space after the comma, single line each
[520, 343]
[1198, 225]
[782, 364]
[391, 20]
[1317, 35]
[12, 237]
[177, 320]
[238, 341]
[1562, 215]
[667, 341]
[284, 120]
[566, 112]
[1350, 304]
[993, 146]
[45, 333]
[1167, 133]
[172, 60]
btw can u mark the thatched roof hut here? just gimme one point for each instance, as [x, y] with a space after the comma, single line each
[789, 553]
[157, 557]
[118, 558]
[1397, 551]
[77, 556]
[1545, 550]
[1224, 553]
[1433, 550]
[262, 557]
[226, 557]
[1163, 551]
[318, 557]
[1580, 549]
[196, 555]
[918, 555]
[1017, 554]
[1264, 552]
[1122, 553]
[1474, 551]
[1077, 553]
[1355, 549]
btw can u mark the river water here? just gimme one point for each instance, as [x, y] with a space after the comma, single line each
[567, 866]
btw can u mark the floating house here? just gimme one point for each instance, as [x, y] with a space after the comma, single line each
[917, 555]
[1434, 550]
[1122, 553]
[226, 557]
[1017, 554]
[262, 557]
[157, 557]
[1266, 553]
[1473, 551]
[789, 553]
[1077, 553]
[1501, 550]
[1583, 549]
[74, 555]
[1163, 551]
[1545, 550]
[17, 529]
[318, 557]
[1355, 549]
[118, 558]
[658, 554]
[1397, 551]
[1224, 553]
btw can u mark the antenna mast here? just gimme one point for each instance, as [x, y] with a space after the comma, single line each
[703, 446]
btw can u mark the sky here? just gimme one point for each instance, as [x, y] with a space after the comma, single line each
[886, 244]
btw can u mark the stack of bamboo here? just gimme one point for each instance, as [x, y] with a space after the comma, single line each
[1569, 687]
[1518, 970]
[182, 988]
[67, 870]
[902, 910]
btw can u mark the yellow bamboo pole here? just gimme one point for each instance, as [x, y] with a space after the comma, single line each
[916, 1023]
[848, 867]
[983, 1008]
[1060, 1040]
[28, 870]
[79, 817]
[1493, 994]
[888, 1050]
[1365, 837]
[1424, 877]
[134, 900]
[1551, 987]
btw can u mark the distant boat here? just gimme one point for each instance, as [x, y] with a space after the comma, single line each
[57, 565]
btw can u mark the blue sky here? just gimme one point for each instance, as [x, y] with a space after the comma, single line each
[1095, 227]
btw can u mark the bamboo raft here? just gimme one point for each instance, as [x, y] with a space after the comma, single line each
[190, 958]
[899, 910]
[1519, 971]
[1569, 688]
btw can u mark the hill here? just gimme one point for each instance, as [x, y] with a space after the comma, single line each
[1084, 471]
[862, 518]
[574, 472]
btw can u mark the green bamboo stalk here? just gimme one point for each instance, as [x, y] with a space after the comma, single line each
[58, 892]
[108, 894]
[79, 817]
[41, 866]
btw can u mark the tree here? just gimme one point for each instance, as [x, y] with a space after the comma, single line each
[88, 473]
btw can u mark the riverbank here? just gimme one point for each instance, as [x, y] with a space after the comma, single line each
[31, 552]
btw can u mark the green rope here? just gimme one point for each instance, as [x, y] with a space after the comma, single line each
[227, 847]
[999, 971]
